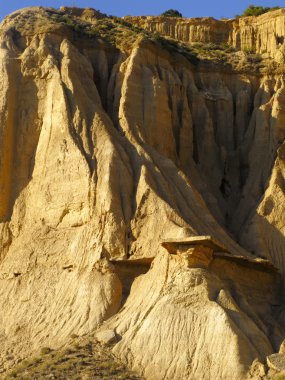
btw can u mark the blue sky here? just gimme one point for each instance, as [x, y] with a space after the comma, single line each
[189, 8]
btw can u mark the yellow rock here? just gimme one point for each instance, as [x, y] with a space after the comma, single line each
[110, 147]
[262, 34]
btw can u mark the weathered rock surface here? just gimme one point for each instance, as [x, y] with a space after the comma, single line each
[106, 336]
[263, 34]
[176, 316]
[108, 149]
[276, 362]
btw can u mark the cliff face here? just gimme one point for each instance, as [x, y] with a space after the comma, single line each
[263, 34]
[106, 151]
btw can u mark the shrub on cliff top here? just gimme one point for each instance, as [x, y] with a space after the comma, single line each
[171, 13]
[253, 10]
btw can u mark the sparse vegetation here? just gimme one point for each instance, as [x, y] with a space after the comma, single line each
[252, 57]
[122, 34]
[248, 50]
[174, 46]
[88, 361]
[216, 52]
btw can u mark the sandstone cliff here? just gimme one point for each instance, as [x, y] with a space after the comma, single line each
[111, 143]
[262, 34]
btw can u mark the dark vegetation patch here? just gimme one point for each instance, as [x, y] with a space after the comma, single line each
[171, 13]
[253, 10]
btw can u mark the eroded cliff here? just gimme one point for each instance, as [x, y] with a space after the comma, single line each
[111, 142]
[262, 34]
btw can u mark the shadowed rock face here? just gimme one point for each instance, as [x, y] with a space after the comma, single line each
[107, 149]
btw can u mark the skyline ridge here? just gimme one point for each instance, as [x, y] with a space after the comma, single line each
[218, 9]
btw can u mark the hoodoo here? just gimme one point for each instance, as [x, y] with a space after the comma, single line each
[142, 192]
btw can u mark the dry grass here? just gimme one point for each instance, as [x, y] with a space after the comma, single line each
[83, 360]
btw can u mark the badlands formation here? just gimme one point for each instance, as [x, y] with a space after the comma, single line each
[142, 182]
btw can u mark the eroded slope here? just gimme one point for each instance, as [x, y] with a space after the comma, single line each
[108, 147]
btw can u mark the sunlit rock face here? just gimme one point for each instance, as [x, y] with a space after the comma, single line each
[262, 34]
[108, 149]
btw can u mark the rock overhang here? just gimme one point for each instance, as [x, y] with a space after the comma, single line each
[207, 246]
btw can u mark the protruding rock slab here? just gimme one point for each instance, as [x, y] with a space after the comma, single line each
[197, 251]
[276, 362]
[254, 263]
[172, 245]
